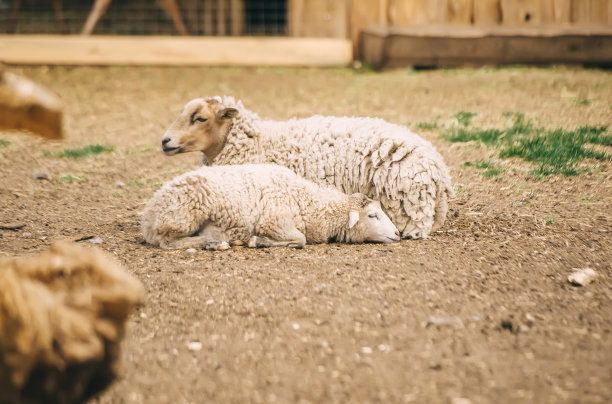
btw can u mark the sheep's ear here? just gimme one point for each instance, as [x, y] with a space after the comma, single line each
[353, 218]
[226, 113]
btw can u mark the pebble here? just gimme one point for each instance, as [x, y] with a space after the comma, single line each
[529, 320]
[96, 240]
[194, 346]
[190, 251]
[581, 277]
[453, 321]
[41, 175]
[366, 350]
[120, 184]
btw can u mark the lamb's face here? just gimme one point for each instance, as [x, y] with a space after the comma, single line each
[370, 223]
[201, 126]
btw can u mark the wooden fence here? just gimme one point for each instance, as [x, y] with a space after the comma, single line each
[347, 18]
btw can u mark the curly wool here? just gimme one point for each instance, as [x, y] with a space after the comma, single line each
[246, 200]
[382, 160]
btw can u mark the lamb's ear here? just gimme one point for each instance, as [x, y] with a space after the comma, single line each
[353, 218]
[227, 113]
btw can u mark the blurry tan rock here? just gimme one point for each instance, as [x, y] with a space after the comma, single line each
[25, 105]
[62, 317]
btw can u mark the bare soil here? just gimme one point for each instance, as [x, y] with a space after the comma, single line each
[339, 323]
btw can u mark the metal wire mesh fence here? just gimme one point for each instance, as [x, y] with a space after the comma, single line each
[146, 17]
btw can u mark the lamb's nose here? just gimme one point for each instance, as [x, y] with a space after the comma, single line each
[165, 141]
[397, 233]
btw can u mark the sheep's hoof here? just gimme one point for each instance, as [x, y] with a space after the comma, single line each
[296, 246]
[238, 243]
[252, 243]
[223, 246]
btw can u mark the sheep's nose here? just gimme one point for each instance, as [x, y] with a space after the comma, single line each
[165, 141]
[397, 233]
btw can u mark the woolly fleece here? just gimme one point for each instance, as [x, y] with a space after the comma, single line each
[265, 200]
[384, 161]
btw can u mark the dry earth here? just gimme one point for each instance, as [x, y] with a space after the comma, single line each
[339, 323]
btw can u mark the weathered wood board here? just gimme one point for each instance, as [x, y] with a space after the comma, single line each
[151, 50]
[433, 46]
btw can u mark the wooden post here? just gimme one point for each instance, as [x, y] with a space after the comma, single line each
[487, 12]
[221, 17]
[208, 20]
[295, 10]
[237, 15]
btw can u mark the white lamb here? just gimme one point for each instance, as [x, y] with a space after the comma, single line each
[384, 161]
[264, 205]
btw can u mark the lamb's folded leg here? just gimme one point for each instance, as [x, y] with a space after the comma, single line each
[204, 242]
[292, 238]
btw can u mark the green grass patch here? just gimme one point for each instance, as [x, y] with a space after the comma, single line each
[4, 143]
[85, 151]
[69, 178]
[489, 169]
[465, 118]
[136, 183]
[582, 101]
[116, 195]
[588, 198]
[553, 151]
[427, 125]
[551, 220]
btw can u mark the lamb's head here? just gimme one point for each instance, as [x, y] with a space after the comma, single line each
[368, 222]
[202, 126]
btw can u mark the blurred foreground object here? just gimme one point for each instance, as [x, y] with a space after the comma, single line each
[62, 317]
[25, 105]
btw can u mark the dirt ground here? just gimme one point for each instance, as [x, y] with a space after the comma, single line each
[339, 323]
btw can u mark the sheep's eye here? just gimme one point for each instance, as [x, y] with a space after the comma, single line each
[198, 119]
[373, 215]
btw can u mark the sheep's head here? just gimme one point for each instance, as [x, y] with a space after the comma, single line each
[202, 126]
[368, 222]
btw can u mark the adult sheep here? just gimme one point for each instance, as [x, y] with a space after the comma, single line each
[264, 205]
[384, 161]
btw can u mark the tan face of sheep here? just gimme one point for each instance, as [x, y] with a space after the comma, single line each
[202, 126]
[368, 222]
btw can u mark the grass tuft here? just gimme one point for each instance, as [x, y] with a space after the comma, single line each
[465, 117]
[69, 178]
[427, 125]
[486, 168]
[85, 151]
[4, 143]
[553, 151]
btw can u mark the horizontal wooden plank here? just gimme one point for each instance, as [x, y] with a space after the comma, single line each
[169, 51]
[445, 46]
